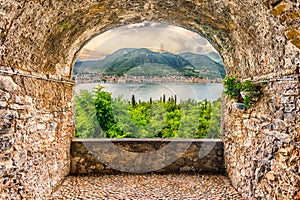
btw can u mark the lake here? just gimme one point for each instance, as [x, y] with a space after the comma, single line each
[143, 91]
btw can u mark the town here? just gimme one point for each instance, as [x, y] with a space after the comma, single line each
[98, 77]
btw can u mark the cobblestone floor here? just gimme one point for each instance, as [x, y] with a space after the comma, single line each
[151, 186]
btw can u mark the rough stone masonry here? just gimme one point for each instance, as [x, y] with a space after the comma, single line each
[94, 156]
[39, 41]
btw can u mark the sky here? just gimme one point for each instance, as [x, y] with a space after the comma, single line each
[154, 36]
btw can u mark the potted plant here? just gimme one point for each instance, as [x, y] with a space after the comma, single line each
[232, 88]
[233, 91]
[249, 101]
[250, 89]
[250, 93]
[244, 94]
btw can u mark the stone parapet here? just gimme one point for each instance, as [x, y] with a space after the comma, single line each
[112, 156]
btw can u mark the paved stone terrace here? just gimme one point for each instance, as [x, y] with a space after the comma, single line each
[150, 186]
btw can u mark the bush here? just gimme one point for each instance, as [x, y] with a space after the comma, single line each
[98, 115]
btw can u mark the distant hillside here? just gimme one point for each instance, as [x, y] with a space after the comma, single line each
[150, 69]
[141, 62]
[207, 67]
[215, 57]
[94, 66]
[143, 56]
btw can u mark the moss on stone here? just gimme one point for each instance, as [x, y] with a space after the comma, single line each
[97, 9]
[279, 9]
[296, 42]
[292, 34]
[290, 15]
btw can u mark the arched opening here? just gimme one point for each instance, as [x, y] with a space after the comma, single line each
[39, 40]
[157, 81]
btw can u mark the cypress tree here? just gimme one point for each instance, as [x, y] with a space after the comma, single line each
[133, 100]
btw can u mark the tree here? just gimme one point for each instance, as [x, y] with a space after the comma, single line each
[87, 125]
[133, 100]
[214, 130]
[104, 113]
[99, 115]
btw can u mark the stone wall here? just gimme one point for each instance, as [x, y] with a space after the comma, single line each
[256, 39]
[35, 134]
[262, 146]
[262, 143]
[145, 155]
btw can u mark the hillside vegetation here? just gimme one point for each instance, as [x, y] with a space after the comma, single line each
[98, 115]
[144, 62]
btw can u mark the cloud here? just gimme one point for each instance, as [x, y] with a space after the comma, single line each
[155, 36]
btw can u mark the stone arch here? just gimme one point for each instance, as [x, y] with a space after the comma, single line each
[257, 40]
[62, 34]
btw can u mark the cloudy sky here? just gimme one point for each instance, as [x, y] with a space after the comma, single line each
[154, 36]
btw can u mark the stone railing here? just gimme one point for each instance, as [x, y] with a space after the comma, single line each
[112, 156]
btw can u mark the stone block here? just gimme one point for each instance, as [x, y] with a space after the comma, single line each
[288, 107]
[7, 84]
[20, 159]
[3, 104]
[6, 143]
[4, 96]
[5, 157]
[270, 176]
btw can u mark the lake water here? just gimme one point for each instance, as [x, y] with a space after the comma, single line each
[143, 91]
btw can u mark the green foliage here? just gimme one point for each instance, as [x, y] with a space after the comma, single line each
[214, 129]
[63, 25]
[249, 101]
[133, 100]
[165, 119]
[232, 88]
[87, 125]
[248, 86]
[104, 113]
[252, 93]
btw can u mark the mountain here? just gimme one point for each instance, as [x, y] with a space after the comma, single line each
[215, 57]
[98, 66]
[208, 67]
[143, 56]
[143, 62]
